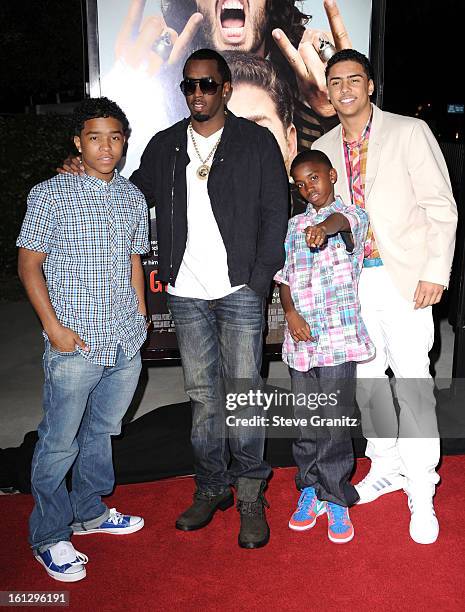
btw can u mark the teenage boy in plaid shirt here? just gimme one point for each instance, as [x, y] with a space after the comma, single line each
[79, 260]
[324, 338]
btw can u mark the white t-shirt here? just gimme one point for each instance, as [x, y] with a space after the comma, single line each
[204, 269]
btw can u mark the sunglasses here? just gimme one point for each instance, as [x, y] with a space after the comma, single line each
[207, 86]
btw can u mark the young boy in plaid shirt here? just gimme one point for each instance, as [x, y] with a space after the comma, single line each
[79, 260]
[324, 338]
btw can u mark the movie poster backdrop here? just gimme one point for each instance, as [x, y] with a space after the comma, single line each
[136, 52]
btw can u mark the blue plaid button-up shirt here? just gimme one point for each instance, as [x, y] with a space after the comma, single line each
[89, 228]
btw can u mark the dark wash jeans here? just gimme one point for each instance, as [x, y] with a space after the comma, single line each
[221, 350]
[324, 455]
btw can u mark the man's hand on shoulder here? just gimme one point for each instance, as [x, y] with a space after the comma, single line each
[72, 165]
[427, 294]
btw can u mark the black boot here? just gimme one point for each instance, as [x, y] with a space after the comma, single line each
[202, 510]
[251, 504]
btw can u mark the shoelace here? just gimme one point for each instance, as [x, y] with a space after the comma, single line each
[115, 517]
[305, 500]
[81, 559]
[336, 513]
[66, 550]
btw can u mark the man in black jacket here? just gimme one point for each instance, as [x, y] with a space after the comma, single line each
[220, 189]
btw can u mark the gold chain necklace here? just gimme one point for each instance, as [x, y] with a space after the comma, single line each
[203, 170]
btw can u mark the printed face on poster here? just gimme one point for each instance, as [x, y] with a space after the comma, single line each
[142, 46]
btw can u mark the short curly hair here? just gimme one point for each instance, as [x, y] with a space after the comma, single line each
[283, 14]
[95, 108]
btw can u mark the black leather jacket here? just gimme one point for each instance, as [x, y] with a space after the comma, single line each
[249, 194]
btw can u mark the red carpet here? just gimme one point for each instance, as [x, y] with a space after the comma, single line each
[162, 569]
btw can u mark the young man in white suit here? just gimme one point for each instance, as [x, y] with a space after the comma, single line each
[393, 166]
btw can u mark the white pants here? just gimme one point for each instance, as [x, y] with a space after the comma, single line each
[408, 443]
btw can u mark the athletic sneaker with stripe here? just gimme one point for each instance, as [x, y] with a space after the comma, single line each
[376, 484]
[309, 508]
[424, 526]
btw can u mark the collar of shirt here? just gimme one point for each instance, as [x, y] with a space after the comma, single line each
[310, 211]
[97, 184]
[364, 135]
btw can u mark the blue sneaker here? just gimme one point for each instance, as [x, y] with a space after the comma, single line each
[340, 528]
[309, 508]
[116, 524]
[62, 562]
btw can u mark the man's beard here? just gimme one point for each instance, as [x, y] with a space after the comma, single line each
[259, 25]
[200, 117]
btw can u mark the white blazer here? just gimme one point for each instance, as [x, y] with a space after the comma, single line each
[408, 198]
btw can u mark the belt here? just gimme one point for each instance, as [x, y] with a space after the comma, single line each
[372, 263]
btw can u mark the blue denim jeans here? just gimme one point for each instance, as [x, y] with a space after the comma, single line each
[84, 404]
[324, 454]
[221, 350]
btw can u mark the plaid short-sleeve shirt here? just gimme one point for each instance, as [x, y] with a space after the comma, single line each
[323, 284]
[89, 229]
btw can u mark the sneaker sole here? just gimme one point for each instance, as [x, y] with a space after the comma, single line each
[224, 505]
[297, 528]
[425, 541]
[75, 577]
[339, 540]
[124, 531]
[374, 496]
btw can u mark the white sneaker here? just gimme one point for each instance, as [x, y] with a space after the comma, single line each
[376, 484]
[424, 526]
[63, 562]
